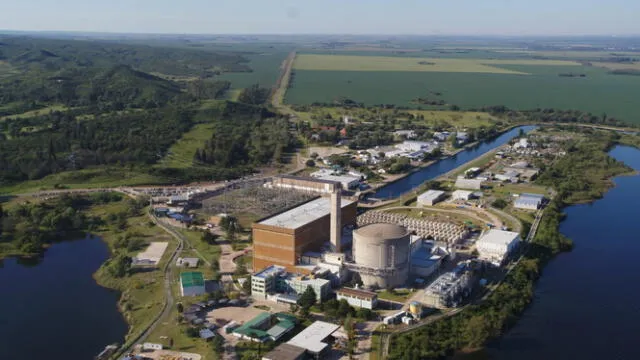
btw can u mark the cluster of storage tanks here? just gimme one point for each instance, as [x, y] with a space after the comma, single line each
[406, 317]
[447, 232]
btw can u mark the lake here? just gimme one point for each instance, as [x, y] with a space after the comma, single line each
[441, 167]
[53, 309]
[586, 302]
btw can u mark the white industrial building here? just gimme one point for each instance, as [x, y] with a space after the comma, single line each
[187, 262]
[411, 146]
[528, 201]
[409, 134]
[448, 290]
[347, 181]
[462, 195]
[472, 184]
[426, 258]
[430, 197]
[358, 298]
[495, 245]
[312, 338]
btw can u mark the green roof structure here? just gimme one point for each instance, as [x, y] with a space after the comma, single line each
[261, 327]
[192, 278]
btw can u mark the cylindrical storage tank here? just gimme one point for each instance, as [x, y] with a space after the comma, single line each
[415, 308]
[382, 251]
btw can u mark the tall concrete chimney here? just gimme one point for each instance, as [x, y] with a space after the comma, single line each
[336, 219]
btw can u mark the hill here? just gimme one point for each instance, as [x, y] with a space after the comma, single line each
[123, 87]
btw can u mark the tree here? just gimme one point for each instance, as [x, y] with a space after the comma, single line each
[246, 286]
[453, 140]
[308, 298]
[477, 331]
[310, 163]
[314, 155]
[192, 332]
[499, 204]
[215, 264]
[350, 329]
[120, 265]
[180, 307]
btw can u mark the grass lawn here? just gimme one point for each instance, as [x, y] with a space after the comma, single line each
[382, 63]
[459, 119]
[86, 178]
[507, 189]
[180, 154]
[38, 112]
[395, 295]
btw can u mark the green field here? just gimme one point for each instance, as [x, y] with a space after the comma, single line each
[87, 178]
[599, 92]
[180, 154]
[266, 69]
[387, 63]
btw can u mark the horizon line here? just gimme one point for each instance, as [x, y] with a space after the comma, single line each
[97, 32]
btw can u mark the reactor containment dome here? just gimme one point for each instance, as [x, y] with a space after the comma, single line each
[381, 255]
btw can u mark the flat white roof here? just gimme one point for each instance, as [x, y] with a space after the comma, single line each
[339, 178]
[153, 253]
[311, 337]
[303, 214]
[463, 193]
[431, 195]
[500, 237]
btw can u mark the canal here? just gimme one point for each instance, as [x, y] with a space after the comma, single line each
[52, 308]
[586, 302]
[441, 167]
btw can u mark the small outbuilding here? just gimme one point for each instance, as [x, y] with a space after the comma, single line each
[430, 197]
[192, 284]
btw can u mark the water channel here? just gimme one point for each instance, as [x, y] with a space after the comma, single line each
[415, 179]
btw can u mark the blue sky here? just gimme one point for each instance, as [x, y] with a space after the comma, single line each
[421, 17]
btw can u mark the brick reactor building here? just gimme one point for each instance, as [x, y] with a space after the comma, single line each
[283, 238]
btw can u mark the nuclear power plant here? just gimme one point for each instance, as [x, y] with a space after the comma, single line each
[307, 239]
[381, 255]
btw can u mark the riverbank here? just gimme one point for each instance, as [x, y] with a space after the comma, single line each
[569, 294]
[121, 225]
[584, 173]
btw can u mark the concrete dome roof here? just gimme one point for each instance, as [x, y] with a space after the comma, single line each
[382, 231]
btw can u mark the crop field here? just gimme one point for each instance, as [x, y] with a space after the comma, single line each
[266, 69]
[598, 92]
[383, 63]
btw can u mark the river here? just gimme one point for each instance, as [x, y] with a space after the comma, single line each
[53, 308]
[586, 302]
[443, 166]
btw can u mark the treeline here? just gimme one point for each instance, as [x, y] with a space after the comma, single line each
[246, 135]
[31, 226]
[581, 175]
[60, 141]
[549, 115]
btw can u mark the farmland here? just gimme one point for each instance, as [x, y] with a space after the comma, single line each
[598, 92]
[266, 69]
[383, 63]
